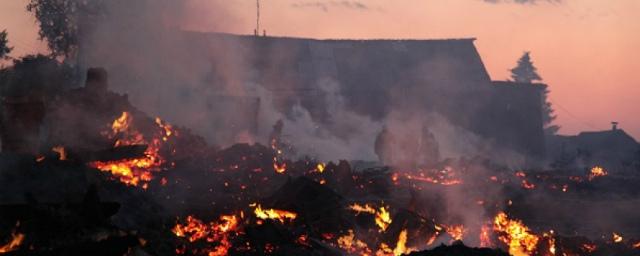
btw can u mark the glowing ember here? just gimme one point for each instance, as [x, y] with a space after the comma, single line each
[446, 176]
[137, 171]
[528, 185]
[597, 171]
[552, 242]
[14, 244]
[359, 208]
[62, 153]
[617, 238]
[589, 247]
[516, 235]
[215, 232]
[274, 214]
[279, 167]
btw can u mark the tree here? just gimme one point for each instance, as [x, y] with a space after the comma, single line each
[4, 47]
[35, 75]
[62, 22]
[547, 115]
[525, 72]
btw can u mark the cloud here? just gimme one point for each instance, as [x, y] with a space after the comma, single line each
[326, 5]
[521, 1]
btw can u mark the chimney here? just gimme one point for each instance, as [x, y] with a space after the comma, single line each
[97, 79]
[614, 126]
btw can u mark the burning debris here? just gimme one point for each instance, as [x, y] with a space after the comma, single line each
[171, 193]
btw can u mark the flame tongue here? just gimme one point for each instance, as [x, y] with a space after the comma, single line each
[274, 214]
[14, 244]
[516, 235]
[382, 215]
[140, 170]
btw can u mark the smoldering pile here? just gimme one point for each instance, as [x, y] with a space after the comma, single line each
[112, 181]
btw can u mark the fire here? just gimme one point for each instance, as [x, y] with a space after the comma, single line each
[382, 215]
[446, 176]
[616, 238]
[589, 247]
[401, 245]
[552, 242]
[485, 236]
[383, 218]
[62, 153]
[279, 167]
[350, 244]
[528, 185]
[14, 244]
[138, 171]
[214, 232]
[359, 208]
[455, 231]
[516, 235]
[320, 167]
[274, 214]
[597, 171]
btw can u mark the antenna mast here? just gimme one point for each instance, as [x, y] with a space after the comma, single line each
[257, 31]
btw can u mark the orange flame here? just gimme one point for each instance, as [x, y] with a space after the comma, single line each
[274, 214]
[516, 235]
[214, 232]
[137, 171]
[383, 218]
[14, 244]
[617, 238]
[382, 215]
[597, 171]
[350, 244]
[485, 236]
[62, 153]
[279, 167]
[401, 245]
[359, 208]
[455, 231]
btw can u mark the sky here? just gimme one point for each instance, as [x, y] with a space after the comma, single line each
[587, 51]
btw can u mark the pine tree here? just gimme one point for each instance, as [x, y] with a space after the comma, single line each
[4, 47]
[525, 72]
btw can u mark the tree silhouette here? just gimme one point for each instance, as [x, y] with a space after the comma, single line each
[4, 47]
[62, 22]
[525, 72]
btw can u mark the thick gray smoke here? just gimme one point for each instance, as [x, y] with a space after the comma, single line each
[213, 88]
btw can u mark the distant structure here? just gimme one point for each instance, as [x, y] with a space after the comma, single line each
[257, 29]
[613, 149]
[446, 77]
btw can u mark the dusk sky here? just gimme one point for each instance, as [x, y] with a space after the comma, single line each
[586, 50]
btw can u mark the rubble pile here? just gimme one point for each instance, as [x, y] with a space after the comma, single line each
[111, 180]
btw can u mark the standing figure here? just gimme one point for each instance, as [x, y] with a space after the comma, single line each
[384, 146]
